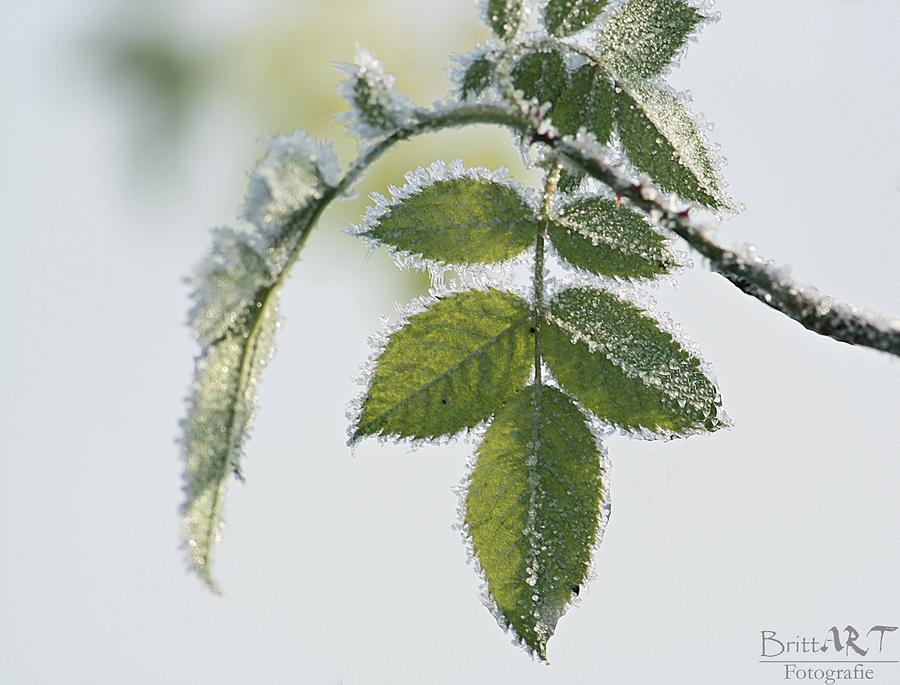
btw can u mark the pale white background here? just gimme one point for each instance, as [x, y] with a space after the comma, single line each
[342, 568]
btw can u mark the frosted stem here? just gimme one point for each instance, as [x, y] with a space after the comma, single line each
[808, 306]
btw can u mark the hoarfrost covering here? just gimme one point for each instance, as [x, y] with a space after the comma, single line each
[226, 283]
[296, 170]
[376, 107]
[417, 182]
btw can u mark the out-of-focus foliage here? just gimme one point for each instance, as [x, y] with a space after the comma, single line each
[276, 69]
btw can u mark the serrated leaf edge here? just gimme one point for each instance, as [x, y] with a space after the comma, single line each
[665, 323]
[668, 241]
[705, 17]
[717, 192]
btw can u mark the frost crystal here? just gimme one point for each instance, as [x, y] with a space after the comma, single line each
[377, 107]
[296, 170]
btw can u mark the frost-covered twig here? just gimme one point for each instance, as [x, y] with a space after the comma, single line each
[805, 304]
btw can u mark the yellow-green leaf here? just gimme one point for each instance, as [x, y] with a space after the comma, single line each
[451, 367]
[458, 221]
[533, 510]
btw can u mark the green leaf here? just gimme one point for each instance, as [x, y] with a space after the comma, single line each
[505, 16]
[459, 221]
[589, 102]
[569, 180]
[451, 367]
[663, 141]
[533, 510]
[477, 77]
[375, 101]
[596, 235]
[222, 404]
[565, 17]
[619, 364]
[228, 286]
[235, 318]
[541, 76]
[643, 36]
[377, 108]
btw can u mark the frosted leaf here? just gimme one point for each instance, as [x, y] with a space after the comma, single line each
[226, 284]
[626, 369]
[663, 140]
[477, 78]
[454, 215]
[587, 104]
[565, 17]
[235, 317]
[222, 403]
[409, 221]
[450, 367]
[472, 74]
[503, 16]
[643, 36]
[541, 76]
[295, 172]
[377, 108]
[609, 239]
[534, 511]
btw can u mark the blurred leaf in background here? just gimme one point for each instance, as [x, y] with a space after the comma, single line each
[272, 66]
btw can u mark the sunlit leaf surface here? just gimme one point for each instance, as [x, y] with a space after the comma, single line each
[451, 367]
[622, 366]
[459, 221]
[533, 510]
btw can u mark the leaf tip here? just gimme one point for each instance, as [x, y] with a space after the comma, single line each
[199, 561]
